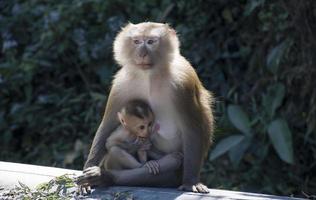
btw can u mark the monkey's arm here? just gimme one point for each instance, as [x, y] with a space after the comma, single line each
[196, 122]
[154, 153]
[117, 138]
[118, 158]
[108, 124]
[142, 156]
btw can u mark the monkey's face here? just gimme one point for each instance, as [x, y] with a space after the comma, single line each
[141, 128]
[145, 45]
[145, 50]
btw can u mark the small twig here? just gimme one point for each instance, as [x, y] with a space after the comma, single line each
[83, 77]
[309, 196]
[165, 14]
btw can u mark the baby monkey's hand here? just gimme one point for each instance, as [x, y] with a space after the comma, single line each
[145, 145]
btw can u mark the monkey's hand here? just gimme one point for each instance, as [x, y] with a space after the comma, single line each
[95, 176]
[199, 187]
[145, 146]
[153, 167]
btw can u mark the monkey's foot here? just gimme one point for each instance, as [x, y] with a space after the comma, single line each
[198, 188]
[107, 179]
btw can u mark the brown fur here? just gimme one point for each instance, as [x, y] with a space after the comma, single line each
[162, 77]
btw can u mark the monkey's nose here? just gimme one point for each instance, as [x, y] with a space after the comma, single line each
[143, 52]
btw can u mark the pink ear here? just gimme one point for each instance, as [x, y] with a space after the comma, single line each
[172, 31]
[121, 118]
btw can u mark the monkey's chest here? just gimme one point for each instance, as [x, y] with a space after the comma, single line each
[158, 95]
[167, 138]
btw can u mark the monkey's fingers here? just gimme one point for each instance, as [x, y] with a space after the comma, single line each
[153, 167]
[87, 189]
[198, 188]
[84, 190]
[84, 178]
[202, 188]
[93, 168]
[93, 173]
[156, 166]
[148, 167]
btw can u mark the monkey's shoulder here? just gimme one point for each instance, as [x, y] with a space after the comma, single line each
[183, 72]
[119, 135]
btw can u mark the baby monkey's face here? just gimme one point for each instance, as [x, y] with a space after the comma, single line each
[137, 126]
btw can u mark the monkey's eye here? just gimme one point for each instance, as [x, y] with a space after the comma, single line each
[150, 123]
[151, 41]
[136, 41]
[142, 127]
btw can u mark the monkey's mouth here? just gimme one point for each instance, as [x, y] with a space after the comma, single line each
[145, 65]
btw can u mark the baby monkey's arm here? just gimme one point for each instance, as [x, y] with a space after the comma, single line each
[142, 156]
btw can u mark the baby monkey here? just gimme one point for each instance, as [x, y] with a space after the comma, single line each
[129, 145]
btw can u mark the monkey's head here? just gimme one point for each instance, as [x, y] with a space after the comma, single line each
[137, 117]
[145, 45]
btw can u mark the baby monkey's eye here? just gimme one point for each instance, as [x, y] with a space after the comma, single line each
[142, 127]
[150, 123]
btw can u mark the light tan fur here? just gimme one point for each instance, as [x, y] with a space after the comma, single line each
[156, 72]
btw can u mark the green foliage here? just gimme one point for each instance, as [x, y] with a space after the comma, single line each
[239, 118]
[257, 56]
[281, 139]
[62, 187]
[226, 144]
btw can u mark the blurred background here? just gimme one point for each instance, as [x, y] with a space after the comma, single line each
[256, 56]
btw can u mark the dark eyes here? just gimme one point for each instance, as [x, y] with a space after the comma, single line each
[150, 41]
[136, 41]
[142, 127]
[150, 123]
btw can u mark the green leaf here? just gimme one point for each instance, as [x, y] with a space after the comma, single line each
[281, 138]
[225, 145]
[237, 152]
[252, 5]
[277, 91]
[273, 99]
[239, 118]
[276, 54]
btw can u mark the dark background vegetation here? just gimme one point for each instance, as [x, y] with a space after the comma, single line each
[257, 56]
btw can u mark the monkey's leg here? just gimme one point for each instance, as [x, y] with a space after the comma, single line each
[120, 159]
[168, 176]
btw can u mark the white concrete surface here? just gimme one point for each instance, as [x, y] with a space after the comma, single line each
[32, 175]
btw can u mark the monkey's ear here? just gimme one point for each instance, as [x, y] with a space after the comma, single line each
[130, 24]
[120, 118]
[170, 29]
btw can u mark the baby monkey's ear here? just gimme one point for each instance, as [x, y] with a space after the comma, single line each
[121, 118]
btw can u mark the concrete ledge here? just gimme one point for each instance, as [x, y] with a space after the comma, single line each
[32, 175]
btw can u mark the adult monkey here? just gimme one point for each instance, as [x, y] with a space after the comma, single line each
[154, 70]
